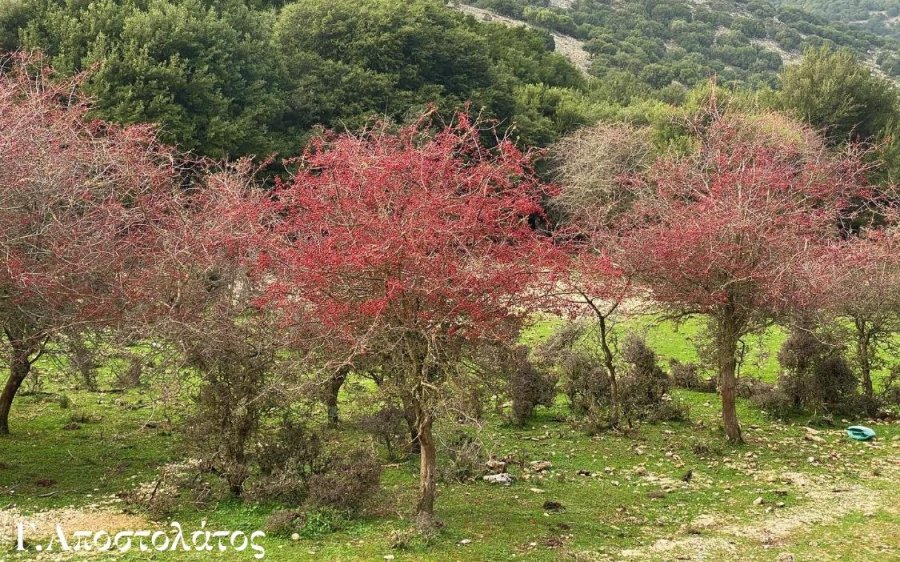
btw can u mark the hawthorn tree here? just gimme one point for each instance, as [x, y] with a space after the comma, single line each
[414, 245]
[80, 211]
[860, 282]
[595, 287]
[730, 230]
[595, 168]
[200, 304]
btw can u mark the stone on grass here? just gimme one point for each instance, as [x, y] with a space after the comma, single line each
[503, 478]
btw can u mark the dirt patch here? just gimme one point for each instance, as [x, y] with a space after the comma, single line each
[42, 525]
[715, 536]
[569, 47]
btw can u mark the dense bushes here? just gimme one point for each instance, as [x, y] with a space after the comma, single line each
[585, 382]
[389, 425]
[644, 387]
[815, 374]
[688, 375]
[815, 377]
[345, 481]
[286, 461]
[239, 391]
[528, 386]
[298, 465]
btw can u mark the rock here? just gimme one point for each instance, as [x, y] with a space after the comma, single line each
[388, 556]
[295, 537]
[583, 472]
[811, 431]
[758, 501]
[465, 541]
[540, 466]
[640, 471]
[656, 494]
[785, 557]
[536, 490]
[813, 438]
[503, 478]
[495, 466]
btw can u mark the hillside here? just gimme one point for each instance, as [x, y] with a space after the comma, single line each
[253, 78]
[685, 41]
[881, 17]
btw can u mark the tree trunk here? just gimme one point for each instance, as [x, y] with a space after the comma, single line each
[609, 361]
[409, 414]
[425, 518]
[864, 354]
[19, 367]
[334, 388]
[727, 344]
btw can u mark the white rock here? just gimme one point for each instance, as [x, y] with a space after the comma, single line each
[503, 478]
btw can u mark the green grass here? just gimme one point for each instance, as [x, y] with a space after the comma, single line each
[46, 467]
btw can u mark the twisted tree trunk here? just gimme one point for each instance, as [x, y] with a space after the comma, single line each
[425, 518]
[727, 340]
[334, 388]
[20, 362]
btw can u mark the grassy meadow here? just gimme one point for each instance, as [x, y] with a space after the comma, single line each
[810, 492]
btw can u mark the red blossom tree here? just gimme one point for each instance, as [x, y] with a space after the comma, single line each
[730, 230]
[416, 246]
[80, 209]
[859, 280]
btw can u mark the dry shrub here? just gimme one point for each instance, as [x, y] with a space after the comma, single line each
[559, 344]
[890, 395]
[296, 467]
[525, 383]
[585, 382]
[389, 426]
[286, 463]
[239, 391]
[815, 374]
[644, 388]
[688, 375]
[177, 486]
[774, 402]
[345, 481]
[582, 375]
[528, 387]
[466, 457]
[283, 522]
[748, 387]
[594, 165]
